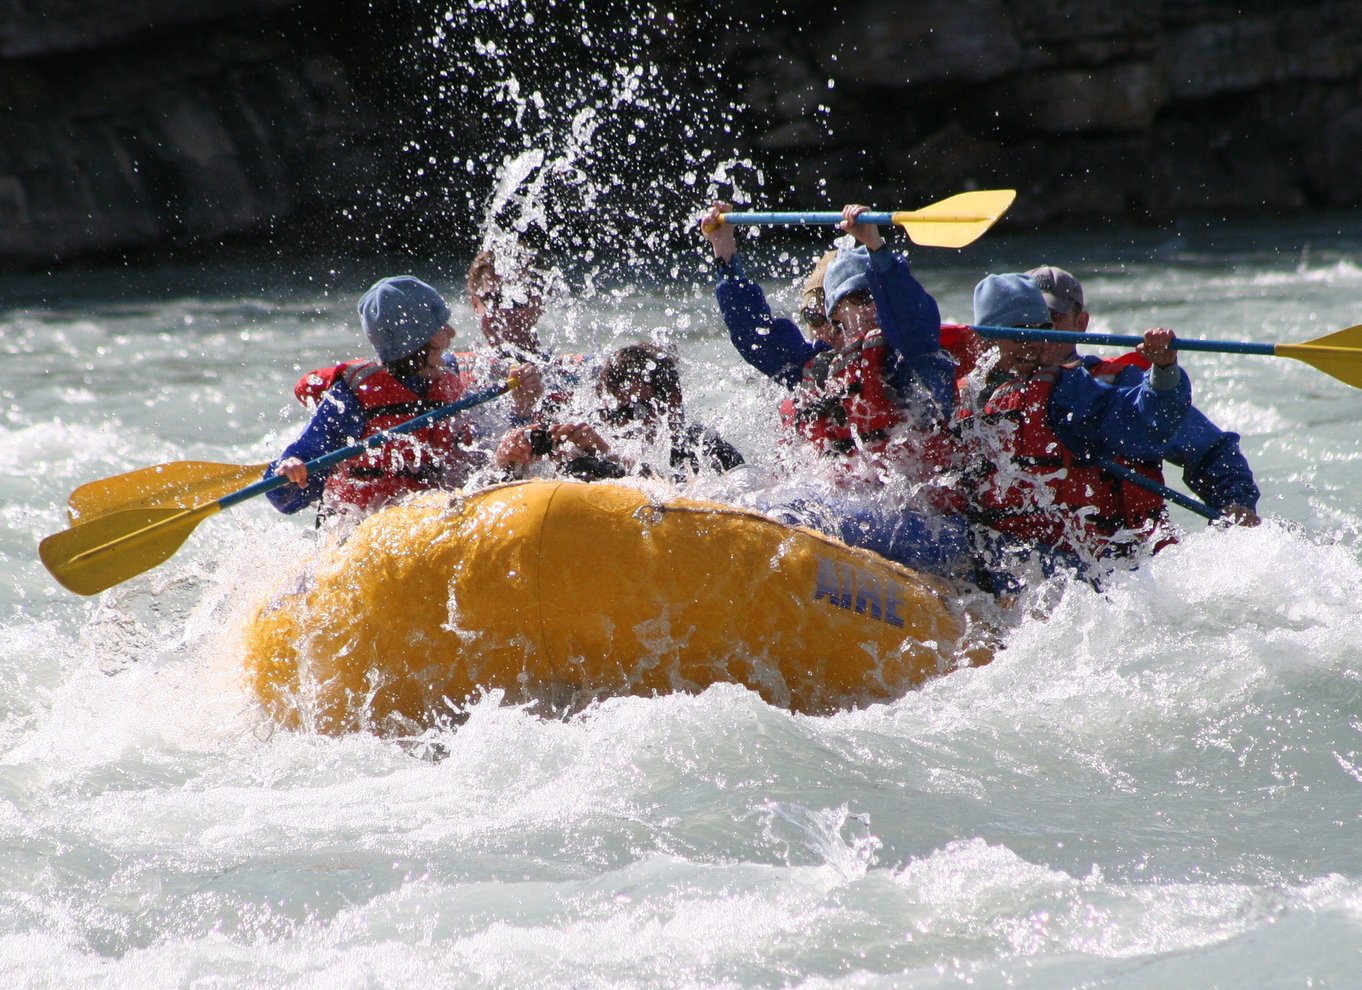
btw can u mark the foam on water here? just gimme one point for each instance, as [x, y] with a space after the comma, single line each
[1152, 785]
[678, 841]
[1155, 785]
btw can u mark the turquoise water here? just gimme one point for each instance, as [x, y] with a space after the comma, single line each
[1158, 786]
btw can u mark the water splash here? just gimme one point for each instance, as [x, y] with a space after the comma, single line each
[592, 137]
[798, 832]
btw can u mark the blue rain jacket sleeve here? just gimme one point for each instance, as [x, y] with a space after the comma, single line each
[1096, 420]
[772, 345]
[1213, 466]
[908, 315]
[911, 322]
[338, 421]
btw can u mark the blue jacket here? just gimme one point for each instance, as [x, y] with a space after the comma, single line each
[1096, 420]
[908, 316]
[1212, 465]
[338, 420]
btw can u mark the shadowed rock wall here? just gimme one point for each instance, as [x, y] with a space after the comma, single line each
[135, 125]
[1144, 109]
[146, 125]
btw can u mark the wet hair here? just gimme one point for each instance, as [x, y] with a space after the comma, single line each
[408, 364]
[812, 309]
[634, 363]
[483, 269]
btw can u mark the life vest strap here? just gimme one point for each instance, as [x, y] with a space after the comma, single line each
[409, 410]
[427, 472]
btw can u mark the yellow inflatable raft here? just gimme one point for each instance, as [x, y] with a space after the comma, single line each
[560, 592]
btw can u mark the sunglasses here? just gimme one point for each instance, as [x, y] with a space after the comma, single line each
[814, 317]
[495, 300]
[860, 299]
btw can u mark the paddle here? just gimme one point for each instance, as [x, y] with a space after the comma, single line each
[108, 550]
[183, 484]
[1170, 494]
[1338, 354]
[952, 222]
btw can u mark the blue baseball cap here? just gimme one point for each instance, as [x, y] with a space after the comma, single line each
[845, 274]
[1009, 301]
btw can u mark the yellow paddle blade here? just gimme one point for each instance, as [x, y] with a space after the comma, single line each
[957, 220]
[96, 555]
[1338, 354]
[179, 484]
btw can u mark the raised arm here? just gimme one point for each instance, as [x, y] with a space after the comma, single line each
[774, 346]
[908, 315]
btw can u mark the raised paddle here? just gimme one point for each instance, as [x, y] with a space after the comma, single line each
[94, 556]
[952, 222]
[179, 484]
[1338, 354]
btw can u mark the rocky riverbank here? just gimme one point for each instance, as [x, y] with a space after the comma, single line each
[148, 125]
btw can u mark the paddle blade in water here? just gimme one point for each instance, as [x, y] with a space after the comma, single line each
[96, 555]
[1338, 354]
[179, 484]
[957, 220]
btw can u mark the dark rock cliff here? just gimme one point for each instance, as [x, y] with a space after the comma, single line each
[1145, 109]
[148, 125]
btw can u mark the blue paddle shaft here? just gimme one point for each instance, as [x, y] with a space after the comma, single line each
[811, 219]
[1172, 495]
[1123, 340]
[368, 443]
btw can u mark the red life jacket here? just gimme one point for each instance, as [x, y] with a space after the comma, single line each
[843, 401]
[964, 345]
[844, 404]
[406, 463]
[1015, 505]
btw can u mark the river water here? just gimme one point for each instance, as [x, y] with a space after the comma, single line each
[1156, 786]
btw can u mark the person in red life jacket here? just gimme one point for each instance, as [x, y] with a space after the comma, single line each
[874, 367]
[1212, 465]
[1040, 425]
[872, 390]
[407, 323]
[958, 340]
